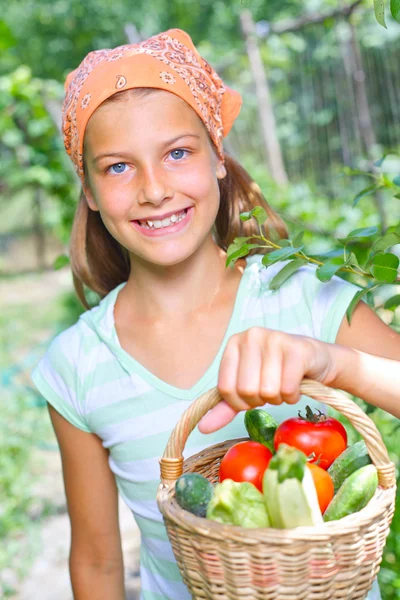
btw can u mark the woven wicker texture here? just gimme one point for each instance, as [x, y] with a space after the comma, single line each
[339, 559]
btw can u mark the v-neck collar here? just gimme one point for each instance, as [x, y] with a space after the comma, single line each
[134, 366]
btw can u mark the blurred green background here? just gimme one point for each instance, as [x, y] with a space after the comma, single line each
[332, 76]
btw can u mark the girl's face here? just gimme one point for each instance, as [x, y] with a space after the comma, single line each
[153, 173]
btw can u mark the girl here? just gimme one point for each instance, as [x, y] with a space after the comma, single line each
[143, 125]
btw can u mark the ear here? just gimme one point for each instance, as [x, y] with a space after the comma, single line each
[221, 170]
[89, 198]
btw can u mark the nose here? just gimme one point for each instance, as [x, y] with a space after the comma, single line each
[154, 186]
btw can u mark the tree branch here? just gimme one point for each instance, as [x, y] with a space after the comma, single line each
[312, 18]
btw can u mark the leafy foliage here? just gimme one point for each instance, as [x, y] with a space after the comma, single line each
[379, 8]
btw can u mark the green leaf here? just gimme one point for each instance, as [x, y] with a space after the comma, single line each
[368, 190]
[379, 8]
[6, 37]
[281, 254]
[326, 271]
[392, 302]
[286, 272]
[384, 267]
[232, 256]
[354, 302]
[363, 232]
[397, 196]
[238, 252]
[395, 9]
[298, 239]
[237, 243]
[60, 262]
[379, 163]
[396, 180]
[387, 241]
[352, 260]
[285, 243]
[246, 216]
[259, 214]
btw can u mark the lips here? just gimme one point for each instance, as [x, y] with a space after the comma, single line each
[167, 226]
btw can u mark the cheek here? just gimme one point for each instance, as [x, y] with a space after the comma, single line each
[200, 184]
[115, 203]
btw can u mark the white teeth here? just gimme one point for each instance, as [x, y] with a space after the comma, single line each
[158, 224]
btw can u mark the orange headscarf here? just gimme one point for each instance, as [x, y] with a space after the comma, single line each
[167, 61]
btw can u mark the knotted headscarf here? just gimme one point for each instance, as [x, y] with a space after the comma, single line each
[167, 61]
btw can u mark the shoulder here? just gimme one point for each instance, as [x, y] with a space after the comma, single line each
[304, 280]
[302, 304]
[71, 351]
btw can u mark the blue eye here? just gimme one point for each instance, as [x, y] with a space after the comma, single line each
[118, 168]
[177, 154]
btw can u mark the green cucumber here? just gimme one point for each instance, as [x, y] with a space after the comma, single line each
[352, 459]
[355, 493]
[261, 427]
[193, 493]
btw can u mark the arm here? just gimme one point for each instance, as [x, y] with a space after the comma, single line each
[261, 366]
[373, 378]
[96, 563]
[369, 333]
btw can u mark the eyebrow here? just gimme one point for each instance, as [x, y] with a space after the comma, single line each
[164, 145]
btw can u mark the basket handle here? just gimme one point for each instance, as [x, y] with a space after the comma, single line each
[172, 461]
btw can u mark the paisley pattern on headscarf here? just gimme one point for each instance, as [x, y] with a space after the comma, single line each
[167, 61]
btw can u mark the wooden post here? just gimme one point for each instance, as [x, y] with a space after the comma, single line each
[354, 67]
[38, 228]
[265, 108]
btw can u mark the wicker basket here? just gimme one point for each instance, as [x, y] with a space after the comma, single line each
[339, 559]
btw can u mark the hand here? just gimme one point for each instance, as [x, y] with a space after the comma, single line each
[261, 366]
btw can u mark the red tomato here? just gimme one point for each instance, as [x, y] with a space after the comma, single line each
[323, 484]
[323, 436]
[245, 461]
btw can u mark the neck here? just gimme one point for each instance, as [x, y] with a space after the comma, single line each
[158, 292]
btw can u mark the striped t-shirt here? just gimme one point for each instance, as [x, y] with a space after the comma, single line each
[100, 388]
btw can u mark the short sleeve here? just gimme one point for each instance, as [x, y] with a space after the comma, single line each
[56, 377]
[303, 304]
[327, 303]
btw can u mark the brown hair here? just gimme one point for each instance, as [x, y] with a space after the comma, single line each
[100, 263]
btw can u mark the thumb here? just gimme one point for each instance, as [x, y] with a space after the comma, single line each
[218, 417]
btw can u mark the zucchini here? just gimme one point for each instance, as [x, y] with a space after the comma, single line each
[289, 490]
[261, 427]
[193, 493]
[352, 459]
[355, 493]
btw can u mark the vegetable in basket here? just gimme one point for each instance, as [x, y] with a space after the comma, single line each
[289, 490]
[236, 503]
[261, 427]
[323, 485]
[353, 458]
[316, 434]
[354, 493]
[245, 461]
[193, 493]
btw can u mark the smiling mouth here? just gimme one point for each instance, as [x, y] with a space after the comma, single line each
[163, 223]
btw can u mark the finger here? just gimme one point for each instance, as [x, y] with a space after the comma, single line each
[292, 375]
[228, 373]
[218, 417]
[249, 368]
[270, 376]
